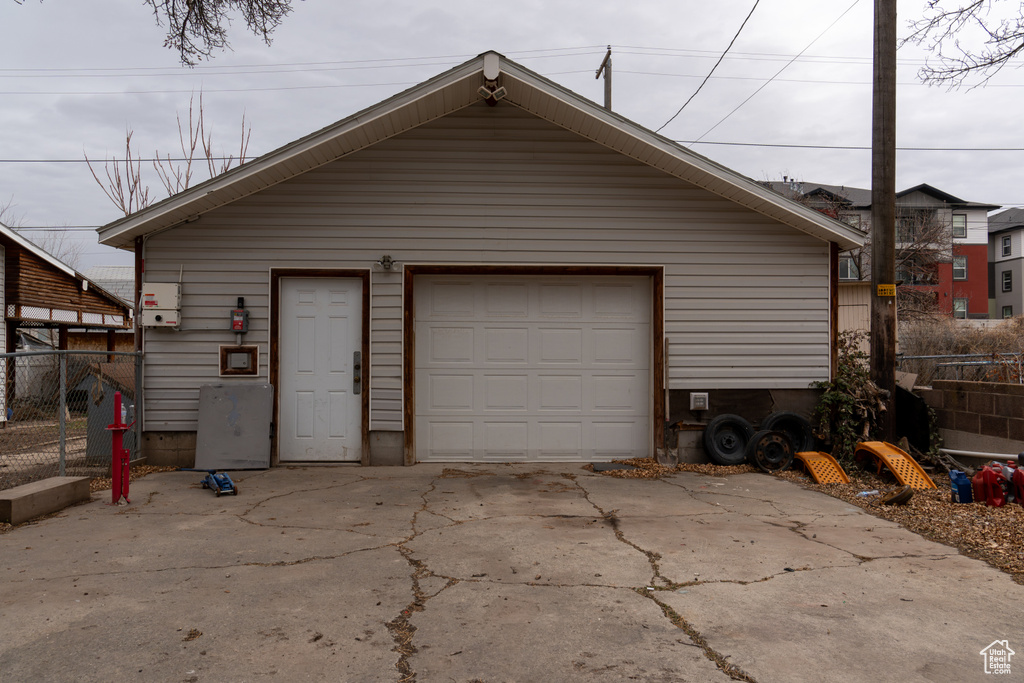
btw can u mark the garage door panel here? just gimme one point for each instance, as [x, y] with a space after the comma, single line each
[506, 345]
[622, 393]
[451, 344]
[622, 346]
[504, 441]
[506, 392]
[506, 300]
[561, 300]
[560, 345]
[519, 368]
[450, 392]
[560, 393]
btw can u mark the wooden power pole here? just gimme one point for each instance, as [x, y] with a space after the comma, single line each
[883, 210]
[606, 68]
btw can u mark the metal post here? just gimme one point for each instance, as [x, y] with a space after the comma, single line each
[138, 404]
[62, 408]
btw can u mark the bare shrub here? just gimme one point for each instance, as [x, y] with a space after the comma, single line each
[950, 337]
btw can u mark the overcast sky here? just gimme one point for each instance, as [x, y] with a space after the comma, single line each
[75, 75]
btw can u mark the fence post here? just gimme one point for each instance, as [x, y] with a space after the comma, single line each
[138, 404]
[62, 409]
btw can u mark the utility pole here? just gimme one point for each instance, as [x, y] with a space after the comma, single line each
[883, 211]
[606, 67]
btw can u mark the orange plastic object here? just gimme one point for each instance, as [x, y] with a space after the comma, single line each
[906, 469]
[823, 467]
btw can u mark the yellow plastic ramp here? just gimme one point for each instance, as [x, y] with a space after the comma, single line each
[823, 467]
[899, 462]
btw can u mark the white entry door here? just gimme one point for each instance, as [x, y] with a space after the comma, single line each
[321, 333]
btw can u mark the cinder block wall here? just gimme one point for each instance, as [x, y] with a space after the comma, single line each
[979, 416]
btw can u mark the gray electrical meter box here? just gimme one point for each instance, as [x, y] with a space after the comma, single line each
[234, 426]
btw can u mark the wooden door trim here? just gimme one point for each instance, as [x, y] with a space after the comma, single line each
[276, 274]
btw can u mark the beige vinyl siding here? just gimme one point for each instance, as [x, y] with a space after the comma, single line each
[746, 298]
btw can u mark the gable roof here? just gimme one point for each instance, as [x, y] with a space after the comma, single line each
[1006, 220]
[453, 90]
[860, 198]
[8, 235]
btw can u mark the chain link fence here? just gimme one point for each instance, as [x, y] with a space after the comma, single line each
[1006, 368]
[55, 407]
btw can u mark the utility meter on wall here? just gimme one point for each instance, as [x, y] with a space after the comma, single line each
[161, 304]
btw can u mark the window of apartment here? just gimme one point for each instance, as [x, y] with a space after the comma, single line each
[1007, 280]
[959, 308]
[848, 268]
[959, 225]
[1007, 249]
[1007, 311]
[959, 267]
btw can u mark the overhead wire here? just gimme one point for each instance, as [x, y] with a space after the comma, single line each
[765, 84]
[727, 48]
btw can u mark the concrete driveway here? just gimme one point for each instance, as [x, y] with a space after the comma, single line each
[491, 573]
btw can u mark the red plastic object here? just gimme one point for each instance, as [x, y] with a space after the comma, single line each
[119, 455]
[1018, 485]
[986, 487]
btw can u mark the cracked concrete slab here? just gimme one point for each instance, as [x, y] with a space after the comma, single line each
[520, 549]
[907, 619]
[244, 623]
[492, 632]
[489, 572]
[728, 548]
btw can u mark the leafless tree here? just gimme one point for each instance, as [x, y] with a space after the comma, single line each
[124, 185]
[177, 175]
[923, 241]
[57, 242]
[195, 28]
[943, 31]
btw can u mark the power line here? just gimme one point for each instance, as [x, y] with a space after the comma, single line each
[777, 145]
[765, 84]
[727, 48]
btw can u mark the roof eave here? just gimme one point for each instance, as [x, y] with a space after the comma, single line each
[454, 90]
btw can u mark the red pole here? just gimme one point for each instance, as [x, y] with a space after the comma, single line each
[118, 455]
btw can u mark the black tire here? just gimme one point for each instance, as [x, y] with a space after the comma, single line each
[772, 451]
[796, 427]
[726, 438]
[234, 491]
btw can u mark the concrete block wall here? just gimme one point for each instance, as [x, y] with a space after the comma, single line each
[979, 416]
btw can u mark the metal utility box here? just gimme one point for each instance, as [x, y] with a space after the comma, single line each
[234, 426]
[161, 304]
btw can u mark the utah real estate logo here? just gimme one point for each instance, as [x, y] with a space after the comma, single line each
[997, 657]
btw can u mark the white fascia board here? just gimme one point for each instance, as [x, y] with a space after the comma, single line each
[677, 160]
[246, 179]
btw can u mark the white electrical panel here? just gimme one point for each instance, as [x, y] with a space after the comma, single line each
[161, 304]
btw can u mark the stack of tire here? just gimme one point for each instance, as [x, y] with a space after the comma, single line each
[731, 440]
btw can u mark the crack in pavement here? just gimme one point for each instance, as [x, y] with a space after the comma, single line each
[194, 567]
[720, 660]
[401, 629]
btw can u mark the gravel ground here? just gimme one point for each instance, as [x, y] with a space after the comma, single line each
[995, 535]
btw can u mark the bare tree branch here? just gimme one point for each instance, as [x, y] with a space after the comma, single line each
[942, 30]
[195, 28]
[124, 185]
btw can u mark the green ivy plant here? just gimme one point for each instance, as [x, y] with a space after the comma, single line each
[851, 404]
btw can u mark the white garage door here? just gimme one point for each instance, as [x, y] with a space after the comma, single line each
[532, 368]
